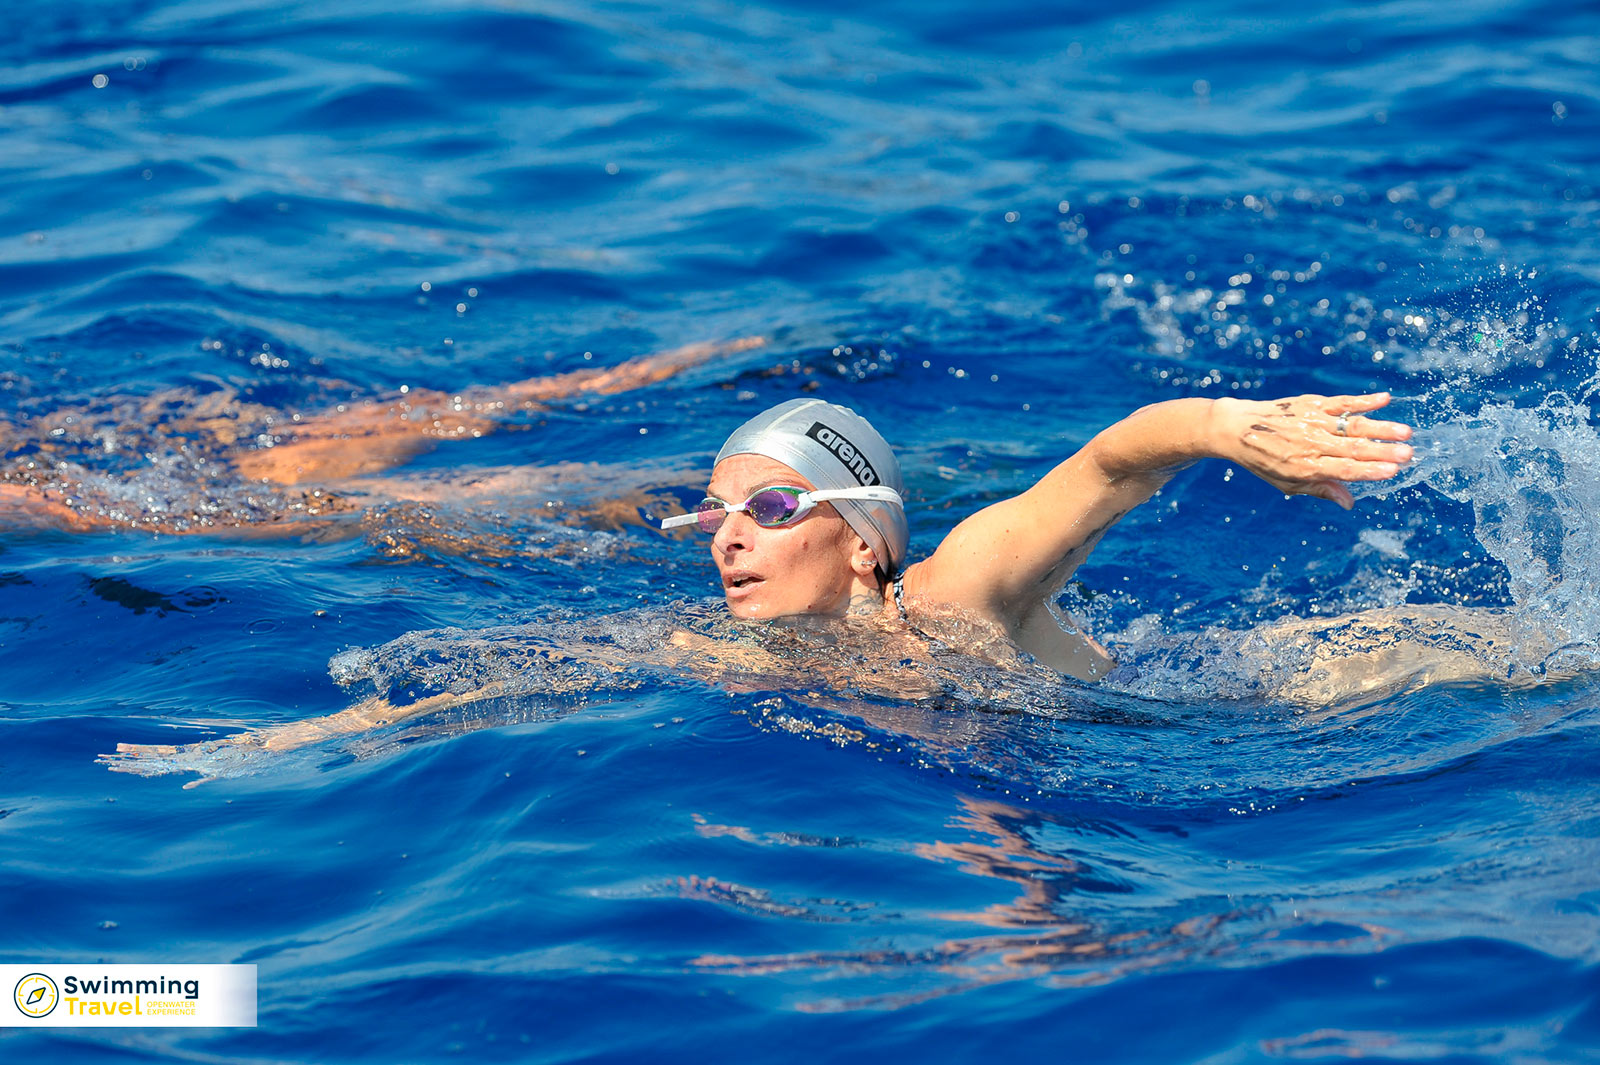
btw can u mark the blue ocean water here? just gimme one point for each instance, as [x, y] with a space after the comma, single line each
[993, 230]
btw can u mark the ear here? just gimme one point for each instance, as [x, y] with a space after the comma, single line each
[863, 559]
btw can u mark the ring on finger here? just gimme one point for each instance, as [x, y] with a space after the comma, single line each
[1341, 425]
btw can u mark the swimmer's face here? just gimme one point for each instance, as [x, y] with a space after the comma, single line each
[812, 566]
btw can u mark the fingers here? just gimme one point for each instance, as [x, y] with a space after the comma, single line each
[1358, 426]
[1343, 416]
[1334, 492]
[1355, 404]
[636, 373]
[1355, 470]
[1325, 477]
[1349, 421]
[651, 369]
[145, 750]
[1365, 449]
[1349, 460]
[1317, 455]
[1312, 445]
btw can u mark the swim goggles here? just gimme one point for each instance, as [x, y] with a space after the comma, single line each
[776, 506]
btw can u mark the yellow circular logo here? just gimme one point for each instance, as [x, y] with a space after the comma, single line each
[36, 995]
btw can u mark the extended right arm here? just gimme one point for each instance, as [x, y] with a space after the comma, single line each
[1007, 562]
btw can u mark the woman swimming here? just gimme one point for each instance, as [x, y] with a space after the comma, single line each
[805, 512]
[806, 518]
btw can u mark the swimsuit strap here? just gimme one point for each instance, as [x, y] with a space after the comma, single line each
[899, 597]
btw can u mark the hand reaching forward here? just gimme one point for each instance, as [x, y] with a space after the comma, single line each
[1307, 445]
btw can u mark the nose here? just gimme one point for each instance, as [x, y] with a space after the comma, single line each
[735, 533]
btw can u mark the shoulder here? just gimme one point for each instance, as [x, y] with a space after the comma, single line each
[939, 585]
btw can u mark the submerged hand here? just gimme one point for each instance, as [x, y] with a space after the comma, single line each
[1307, 445]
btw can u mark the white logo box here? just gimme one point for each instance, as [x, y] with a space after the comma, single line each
[178, 995]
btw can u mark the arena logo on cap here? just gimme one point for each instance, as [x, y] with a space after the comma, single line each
[844, 451]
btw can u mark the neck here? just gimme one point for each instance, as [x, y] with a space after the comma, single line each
[868, 597]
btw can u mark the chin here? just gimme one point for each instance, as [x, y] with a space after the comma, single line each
[755, 609]
[744, 608]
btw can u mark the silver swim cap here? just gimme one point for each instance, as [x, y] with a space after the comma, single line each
[833, 447]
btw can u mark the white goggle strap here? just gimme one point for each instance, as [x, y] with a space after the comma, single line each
[878, 493]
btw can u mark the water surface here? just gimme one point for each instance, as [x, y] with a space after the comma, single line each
[991, 230]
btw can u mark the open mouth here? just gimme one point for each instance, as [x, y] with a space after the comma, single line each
[740, 580]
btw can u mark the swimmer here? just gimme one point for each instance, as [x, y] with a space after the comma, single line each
[806, 516]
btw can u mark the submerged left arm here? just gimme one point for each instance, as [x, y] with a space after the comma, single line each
[366, 437]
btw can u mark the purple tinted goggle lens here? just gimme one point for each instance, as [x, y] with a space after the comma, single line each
[768, 508]
[776, 506]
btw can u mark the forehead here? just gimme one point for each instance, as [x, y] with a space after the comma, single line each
[738, 475]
